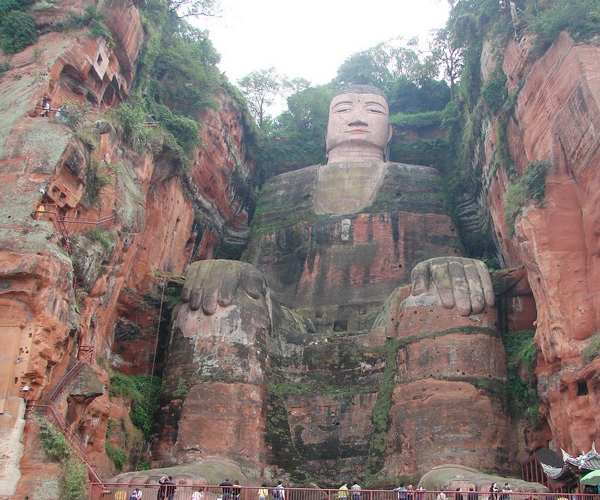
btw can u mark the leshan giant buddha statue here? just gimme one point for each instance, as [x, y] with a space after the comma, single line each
[330, 260]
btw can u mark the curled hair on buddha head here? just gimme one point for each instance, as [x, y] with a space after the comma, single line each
[360, 89]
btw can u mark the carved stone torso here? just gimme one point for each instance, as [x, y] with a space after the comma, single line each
[335, 240]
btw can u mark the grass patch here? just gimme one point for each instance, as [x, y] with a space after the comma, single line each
[521, 354]
[592, 350]
[381, 413]
[56, 448]
[531, 186]
[54, 443]
[581, 18]
[143, 396]
[494, 91]
[182, 388]
[102, 236]
[74, 481]
[96, 179]
[117, 455]
[417, 120]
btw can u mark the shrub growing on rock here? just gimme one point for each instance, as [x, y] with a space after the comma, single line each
[17, 32]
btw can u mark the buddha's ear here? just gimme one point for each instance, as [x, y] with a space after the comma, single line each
[386, 153]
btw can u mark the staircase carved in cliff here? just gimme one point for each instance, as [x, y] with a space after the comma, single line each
[47, 407]
[50, 211]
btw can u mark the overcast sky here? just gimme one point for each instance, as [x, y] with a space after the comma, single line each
[312, 38]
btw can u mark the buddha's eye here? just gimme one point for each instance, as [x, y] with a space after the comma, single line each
[376, 111]
[342, 110]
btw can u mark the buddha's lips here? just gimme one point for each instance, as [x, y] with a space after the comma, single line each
[358, 131]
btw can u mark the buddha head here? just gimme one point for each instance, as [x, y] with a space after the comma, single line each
[359, 127]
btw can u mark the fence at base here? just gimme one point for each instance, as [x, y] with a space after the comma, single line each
[182, 491]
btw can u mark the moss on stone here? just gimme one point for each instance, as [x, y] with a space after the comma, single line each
[410, 188]
[381, 410]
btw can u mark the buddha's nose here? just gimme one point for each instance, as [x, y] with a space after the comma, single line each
[358, 117]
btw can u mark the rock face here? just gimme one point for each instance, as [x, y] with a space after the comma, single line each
[215, 374]
[313, 356]
[556, 119]
[338, 270]
[451, 372]
[62, 286]
[331, 389]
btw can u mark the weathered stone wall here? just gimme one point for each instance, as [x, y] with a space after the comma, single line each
[556, 118]
[63, 288]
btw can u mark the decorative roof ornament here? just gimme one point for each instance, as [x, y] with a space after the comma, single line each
[587, 461]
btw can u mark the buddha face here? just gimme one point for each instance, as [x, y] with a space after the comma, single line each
[358, 128]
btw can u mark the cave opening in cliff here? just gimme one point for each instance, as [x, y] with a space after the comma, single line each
[582, 388]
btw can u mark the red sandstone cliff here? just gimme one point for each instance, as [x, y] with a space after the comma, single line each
[61, 287]
[557, 119]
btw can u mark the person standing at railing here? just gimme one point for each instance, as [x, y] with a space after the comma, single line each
[136, 494]
[162, 489]
[493, 491]
[237, 490]
[421, 493]
[402, 492]
[197, 495]
[355, 488]
[472, 495]
[458, 494]
[278, 491]
[343, 492]
[505, 492]
[227, 487]
[170, 488]
[263, 492]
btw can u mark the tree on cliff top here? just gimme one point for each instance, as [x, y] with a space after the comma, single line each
[17, 32]
[195, 8]
[260, 89]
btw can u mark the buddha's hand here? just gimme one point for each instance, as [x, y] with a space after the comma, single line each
[213, 283]
[456, 281]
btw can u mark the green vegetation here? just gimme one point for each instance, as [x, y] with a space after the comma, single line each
[581, 18]
[74, 481]
[77, 113]
[182, 388]
[118, 456]
[380, 413]
[53, 442]
[88, 135]
[430, 152]
[142, 391]
[531, 186]
[494, 91]
[4, 66]
[521, 356]
[17, 31]
[132, 118]
[126, 330]
[592, 350]
[96, 179]
[110, 426]
[417, 120]
[102, 236]
[57, 449]
[90, 18]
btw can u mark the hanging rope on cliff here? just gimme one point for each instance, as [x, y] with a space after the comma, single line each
[150, 398]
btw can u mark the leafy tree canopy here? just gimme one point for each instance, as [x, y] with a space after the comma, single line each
[17, 32]
[260, 89]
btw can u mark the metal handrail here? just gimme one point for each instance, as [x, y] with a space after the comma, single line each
[185, 492]
[71, 374]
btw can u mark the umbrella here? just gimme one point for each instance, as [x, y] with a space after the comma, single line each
[592, 479]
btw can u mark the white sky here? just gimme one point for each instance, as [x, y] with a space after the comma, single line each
[312, 38]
